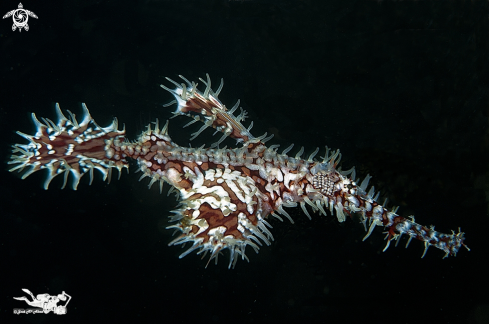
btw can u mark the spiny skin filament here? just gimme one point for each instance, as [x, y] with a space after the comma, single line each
[227, 195]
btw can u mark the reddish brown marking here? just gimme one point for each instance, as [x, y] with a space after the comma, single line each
[240, 206]
[92, 149]
[370, 213]
[251, 217]
[259, 183]
[190, 165]
[232, 195]
[362, 203]
[258, 179]
[215, 218]
[252, 146]
[397, 220]
[233, 229]
[149, 156]
[185, 184]
[204, 166]
[155, 167]
[199, 105]
[281, 187]
[195, 196]
[244, 170]
[176, 166]
[203, 106]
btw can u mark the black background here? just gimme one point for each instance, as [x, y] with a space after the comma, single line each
[400, 87]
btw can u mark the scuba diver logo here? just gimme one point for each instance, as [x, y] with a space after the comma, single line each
[20, 17]
[44, 303]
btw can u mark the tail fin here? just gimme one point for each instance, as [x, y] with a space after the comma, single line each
[69, 146]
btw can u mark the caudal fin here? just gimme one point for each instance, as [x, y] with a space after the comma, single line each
[69, 146]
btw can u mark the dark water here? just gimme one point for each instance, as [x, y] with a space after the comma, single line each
[400, 87]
